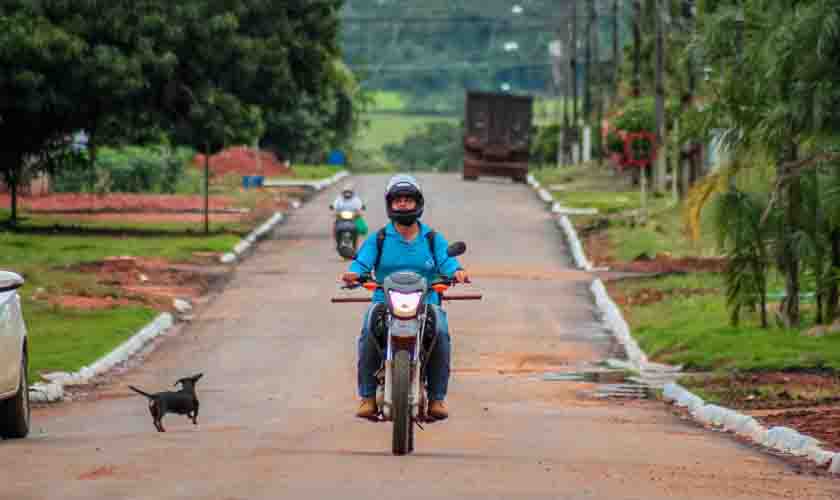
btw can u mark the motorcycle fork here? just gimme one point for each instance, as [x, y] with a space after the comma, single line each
[416, 396]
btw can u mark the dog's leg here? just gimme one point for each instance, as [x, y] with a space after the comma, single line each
[195, 414]
[157, 414]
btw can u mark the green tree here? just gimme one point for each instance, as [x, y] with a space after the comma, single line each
[774, 91]
[204, 73]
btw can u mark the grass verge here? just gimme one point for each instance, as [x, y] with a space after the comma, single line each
[690, 326]
[315, 172]
[66, 340]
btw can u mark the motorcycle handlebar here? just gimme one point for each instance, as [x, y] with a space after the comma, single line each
[465, 296]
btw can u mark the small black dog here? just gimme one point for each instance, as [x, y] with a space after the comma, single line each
[182, 402]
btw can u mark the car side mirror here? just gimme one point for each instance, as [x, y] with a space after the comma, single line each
[10, 281]
[456, 249]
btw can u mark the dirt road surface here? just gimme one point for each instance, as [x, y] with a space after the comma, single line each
[278, 395]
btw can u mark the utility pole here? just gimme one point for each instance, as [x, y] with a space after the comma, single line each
[567, 94]
[206, 188]
[574, 68]
[637, 48]
[662, 155]
[587, 74]
[689, 169]
[598, 77]
[557, 50]
[616, 49]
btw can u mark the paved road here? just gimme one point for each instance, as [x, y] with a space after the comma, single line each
[278, 393]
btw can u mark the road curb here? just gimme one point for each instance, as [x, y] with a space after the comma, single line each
[615, 322]
[53, 391]
[315, 185]
[779, 439]
[563, 223]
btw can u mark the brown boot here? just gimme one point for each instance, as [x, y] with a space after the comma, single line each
[438, 410]
[367, 409]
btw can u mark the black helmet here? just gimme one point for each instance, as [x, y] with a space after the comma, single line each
[404, 185]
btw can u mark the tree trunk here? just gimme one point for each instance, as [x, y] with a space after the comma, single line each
[637, 48]
[11, 176]
[587, 62]
[574, 51]
[833, 299]
[790, 260]
[616, 76]
[13, 190]
[598, 82]
[661, 159]
[764, 323]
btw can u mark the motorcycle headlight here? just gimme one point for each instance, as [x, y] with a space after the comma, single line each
[346, 215]
[405, 305]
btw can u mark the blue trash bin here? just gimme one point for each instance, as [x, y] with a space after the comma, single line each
[246, 181]
[257, 181]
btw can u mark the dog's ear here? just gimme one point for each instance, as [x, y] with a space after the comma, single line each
[197, 376]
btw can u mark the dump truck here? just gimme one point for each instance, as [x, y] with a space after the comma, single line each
[497, 135]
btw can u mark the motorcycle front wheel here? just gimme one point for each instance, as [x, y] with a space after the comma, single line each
[403, 439]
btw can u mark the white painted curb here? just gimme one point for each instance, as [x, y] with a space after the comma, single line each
[614, 320]
[564, 224]
[256, 235]
[54, 391]
[319, 185]
[575, 245]
[782, 439]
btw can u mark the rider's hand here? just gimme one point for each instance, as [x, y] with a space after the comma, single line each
[350, 278]
[461, 276]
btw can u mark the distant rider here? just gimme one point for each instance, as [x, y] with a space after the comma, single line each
[349, 201]
[405, 247]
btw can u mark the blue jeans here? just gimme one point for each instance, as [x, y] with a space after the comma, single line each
[437, 369]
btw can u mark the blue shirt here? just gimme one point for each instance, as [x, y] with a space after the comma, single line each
[401, 255]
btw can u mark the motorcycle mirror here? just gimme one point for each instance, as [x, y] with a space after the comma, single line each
[456, 249]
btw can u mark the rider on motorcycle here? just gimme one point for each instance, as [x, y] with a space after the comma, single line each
[349, 201]
[405, 247]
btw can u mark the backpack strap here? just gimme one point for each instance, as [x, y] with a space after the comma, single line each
[380, 242]
[430, 238]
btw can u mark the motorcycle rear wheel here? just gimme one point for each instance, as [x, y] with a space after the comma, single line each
[403, 439]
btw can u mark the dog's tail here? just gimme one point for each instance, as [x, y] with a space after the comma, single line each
[140, 392]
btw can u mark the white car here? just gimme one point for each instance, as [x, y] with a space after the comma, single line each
[14, 389]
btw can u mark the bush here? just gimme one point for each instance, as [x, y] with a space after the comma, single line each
[614, 142]
[546, 143]
[130, 169]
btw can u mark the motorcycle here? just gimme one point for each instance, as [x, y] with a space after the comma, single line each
[346, 233]
[408, 342]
